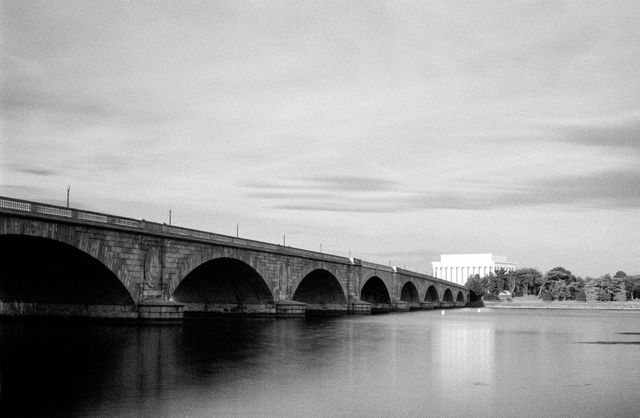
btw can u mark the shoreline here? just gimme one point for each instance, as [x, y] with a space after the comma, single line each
[570, 304]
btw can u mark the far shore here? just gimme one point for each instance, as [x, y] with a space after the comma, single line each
[527, 303]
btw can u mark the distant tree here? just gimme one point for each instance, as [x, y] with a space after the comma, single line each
[545, 295]
[619, 293]
[559, 290]
[576, 287]
[497, 281]
[560, 273]
[509, 281]
[527, 281]
[557, 282]
[591, 289]
[632, 287]
[477, 285]
[606, 289]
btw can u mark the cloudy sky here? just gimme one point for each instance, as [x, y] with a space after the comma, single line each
[394, 131]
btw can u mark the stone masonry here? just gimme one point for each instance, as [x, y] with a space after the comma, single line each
[151, 260]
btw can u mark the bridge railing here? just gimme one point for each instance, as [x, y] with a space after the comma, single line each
[18, 205]
[71, 213]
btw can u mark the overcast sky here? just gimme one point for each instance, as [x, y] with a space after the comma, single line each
[394, 131]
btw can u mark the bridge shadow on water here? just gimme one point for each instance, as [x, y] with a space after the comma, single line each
[64, 368]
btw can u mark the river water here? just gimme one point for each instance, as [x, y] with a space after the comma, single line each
[460, 362]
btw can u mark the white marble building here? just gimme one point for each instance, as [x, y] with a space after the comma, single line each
[458, 267]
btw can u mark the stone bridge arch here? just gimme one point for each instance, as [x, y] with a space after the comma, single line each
[222, 280]
[321, 290]
[187, 258]
[376, 292]
[298, 270]
[409, 294]
[58, 271]
[447, 299]
[431, 295]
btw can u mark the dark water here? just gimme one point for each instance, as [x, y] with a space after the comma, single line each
[463, 363]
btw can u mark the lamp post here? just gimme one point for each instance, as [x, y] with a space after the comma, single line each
[68, 189]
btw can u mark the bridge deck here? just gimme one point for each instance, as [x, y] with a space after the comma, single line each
[103, 220]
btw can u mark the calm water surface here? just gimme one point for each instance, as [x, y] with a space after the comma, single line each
[462, 363]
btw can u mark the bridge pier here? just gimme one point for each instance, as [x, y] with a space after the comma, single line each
[158, 309]
[147, 310]
[290, 309]
[326, 309]
[401, 306]
[381, 308]
[359, 307]
[36, 309]
[426, 306]
[212, 309]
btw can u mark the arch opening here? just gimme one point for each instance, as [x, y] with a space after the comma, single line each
[409, 293]
[431, 295]
[448, 296]
[322, 293]
[375, 292]
[460, 297]
[42, 276]
[224, 286]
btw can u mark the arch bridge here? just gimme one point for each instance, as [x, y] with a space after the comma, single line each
[67, 262]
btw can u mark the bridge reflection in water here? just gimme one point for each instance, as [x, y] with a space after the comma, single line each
[237, 366]
[463, 363]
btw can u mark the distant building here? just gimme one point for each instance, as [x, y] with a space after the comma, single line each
[458, 267]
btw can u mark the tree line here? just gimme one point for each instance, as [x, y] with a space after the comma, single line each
[556, 284]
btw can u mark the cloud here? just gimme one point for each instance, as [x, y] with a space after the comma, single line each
[36, 171]
[345, 207]
[346, 183]
[20, 99]
[68, 105]
[19, 188]
[616, 188]
[353, 183]
[329, 194]
[609, 189]
[621, 132]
